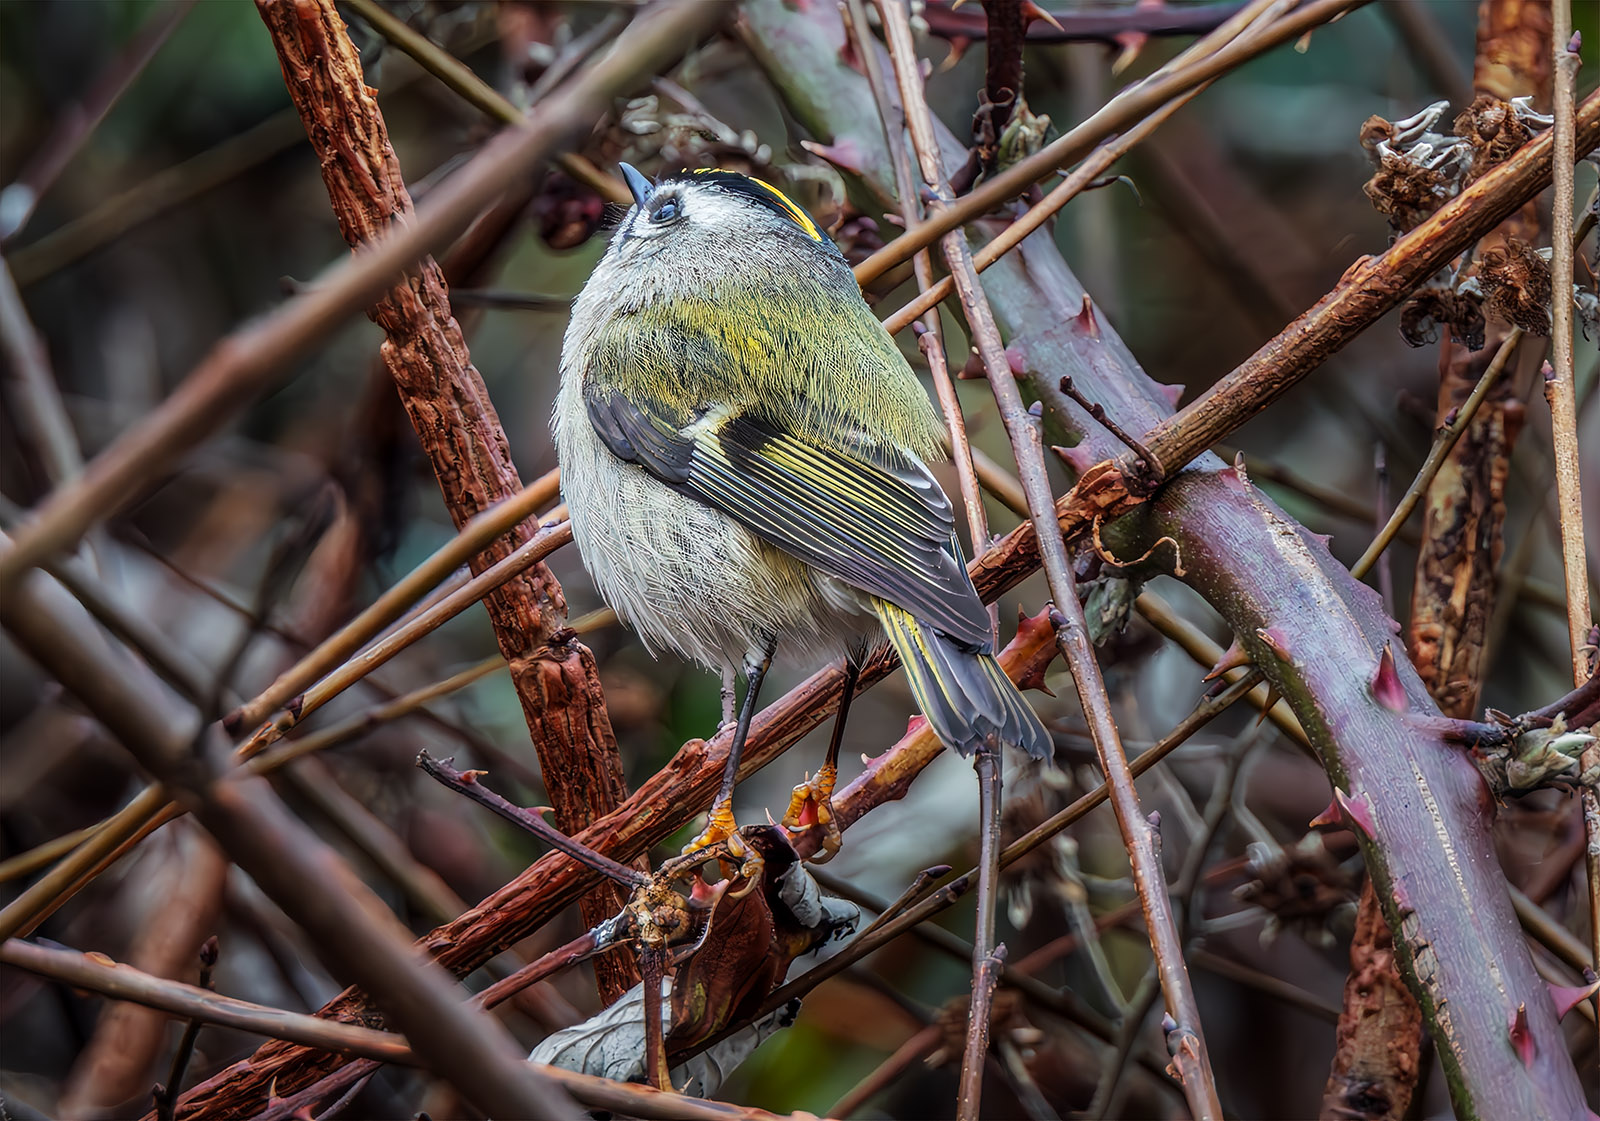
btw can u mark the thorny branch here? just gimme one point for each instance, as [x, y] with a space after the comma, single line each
[1071, 636]
[1221, 521]
[991, 584]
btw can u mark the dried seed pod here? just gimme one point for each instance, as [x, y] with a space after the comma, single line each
[1515, 278]
[1493, 129]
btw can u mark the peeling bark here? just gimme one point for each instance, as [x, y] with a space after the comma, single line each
[460, 432]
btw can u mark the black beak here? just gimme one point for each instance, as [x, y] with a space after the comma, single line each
[638, 184]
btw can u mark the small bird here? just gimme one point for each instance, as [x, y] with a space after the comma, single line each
[743, 450]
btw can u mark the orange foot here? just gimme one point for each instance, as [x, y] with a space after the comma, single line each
[721, 833]
[810, 805]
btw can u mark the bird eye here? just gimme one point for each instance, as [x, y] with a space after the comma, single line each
[666, 212]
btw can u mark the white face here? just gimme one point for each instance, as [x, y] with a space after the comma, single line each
[686, 213]
[699, 236]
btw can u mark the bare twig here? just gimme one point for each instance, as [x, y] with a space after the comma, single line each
[1442, 443]
[1186, 890]
[987, 956]
[1380, 506]
[467, 785]
[31, 391]
[166, 1095]
[1098, 413]
[77, 122]
[259, 354]
[1125, 109]
[473, 89]
[98, 973]
[28, 907]
[1560, 391]
[919, 123]
[579, 949]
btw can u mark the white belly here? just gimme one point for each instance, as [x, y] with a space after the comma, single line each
[691, 579]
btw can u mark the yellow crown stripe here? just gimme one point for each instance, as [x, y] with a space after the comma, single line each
[801, 218]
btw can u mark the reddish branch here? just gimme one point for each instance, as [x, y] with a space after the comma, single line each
[1422, 807]
[660, 806]
[1371, 287]
[350, 927]
[459, 431]
[1378, 1056]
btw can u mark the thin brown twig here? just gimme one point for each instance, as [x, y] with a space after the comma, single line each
[98, 973]
[881, 1077]
[459, 78]
[76, 123]
[1186, 889]
[1071, 633]
[931, 339]
[31, 392]
[1442, 443]
[166, 1094]
[919, 123]
[258, 355]
[25, 910]
[1098, 413]
[1128, 107]
[467, 785]
[988, 957]
[1560, 390]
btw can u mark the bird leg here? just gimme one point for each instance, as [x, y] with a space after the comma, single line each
[816, 793]
[720, 823]
[728, 698]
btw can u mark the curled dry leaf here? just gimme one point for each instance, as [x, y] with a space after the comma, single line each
[751, 939]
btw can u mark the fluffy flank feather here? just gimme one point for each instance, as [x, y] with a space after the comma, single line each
[966, 696]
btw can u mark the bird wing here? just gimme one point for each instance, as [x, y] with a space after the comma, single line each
[881, 526]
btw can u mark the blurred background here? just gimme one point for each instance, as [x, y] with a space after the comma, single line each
[196, 204]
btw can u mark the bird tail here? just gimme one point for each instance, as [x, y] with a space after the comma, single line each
[966, 696]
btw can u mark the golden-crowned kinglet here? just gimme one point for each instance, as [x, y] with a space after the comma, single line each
[742, 450]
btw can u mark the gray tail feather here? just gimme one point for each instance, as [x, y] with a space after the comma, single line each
[966, 696]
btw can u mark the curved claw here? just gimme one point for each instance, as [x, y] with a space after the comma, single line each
[811, 805]
[722, 834]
